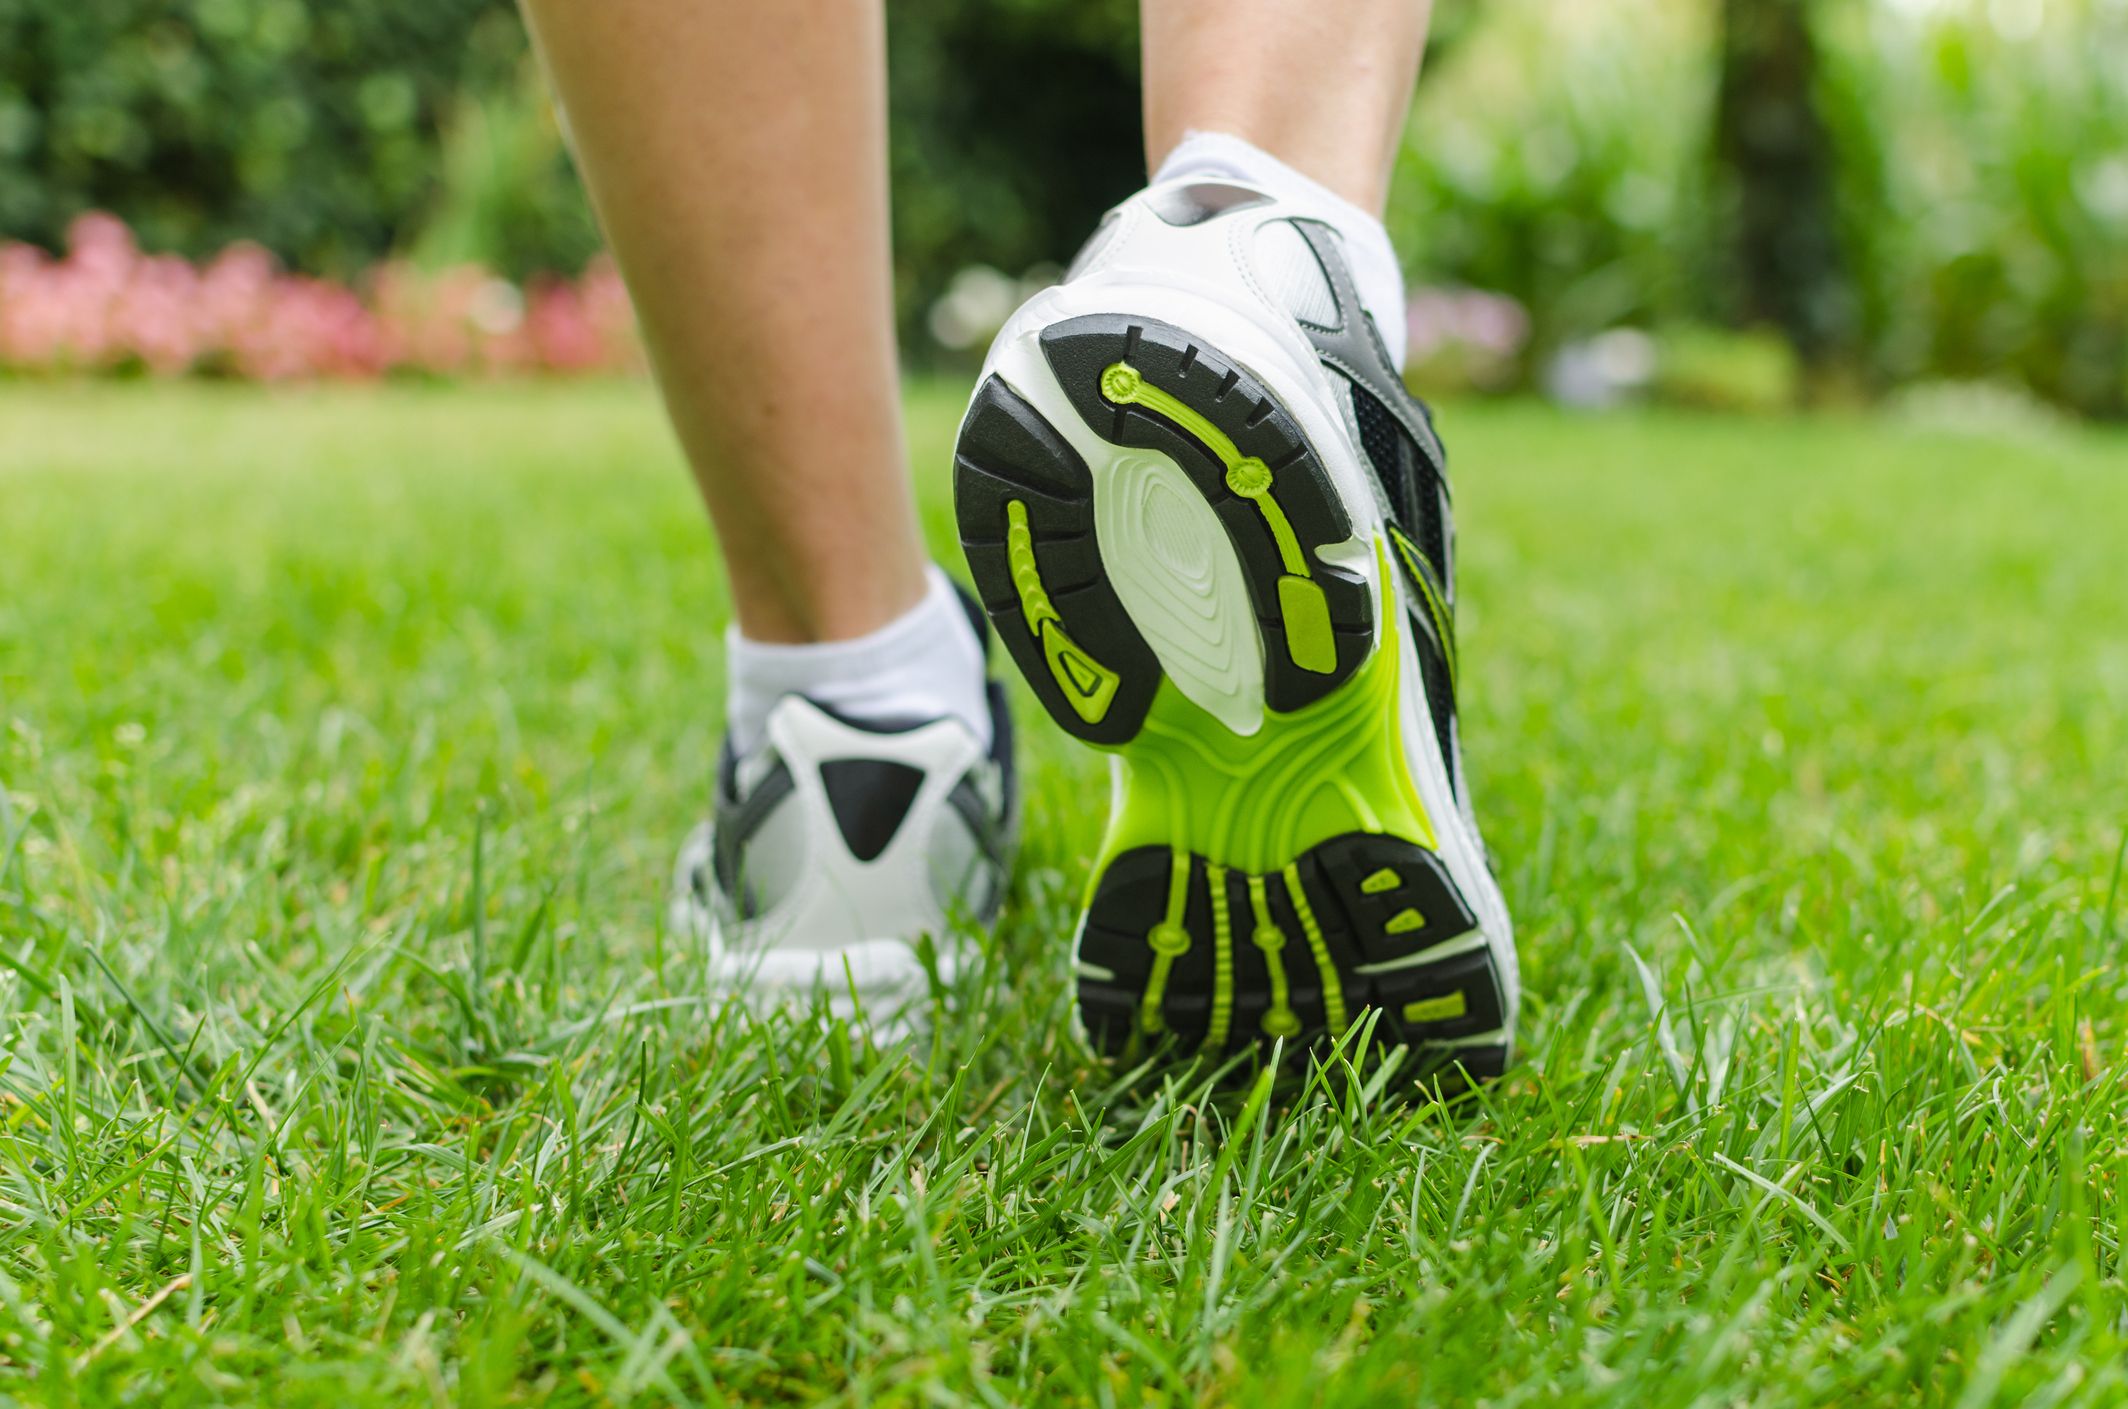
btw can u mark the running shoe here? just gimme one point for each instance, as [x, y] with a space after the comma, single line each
[1212, 529]
[836, 847]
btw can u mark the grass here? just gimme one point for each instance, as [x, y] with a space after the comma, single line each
[345, 736]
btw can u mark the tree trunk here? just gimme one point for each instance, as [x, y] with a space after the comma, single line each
[1776, 175]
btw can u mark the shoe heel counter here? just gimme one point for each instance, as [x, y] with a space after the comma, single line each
[878, 837]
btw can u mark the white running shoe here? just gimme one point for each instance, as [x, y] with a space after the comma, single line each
[834, 847]
[1212, 528]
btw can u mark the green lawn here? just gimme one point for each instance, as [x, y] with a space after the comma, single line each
[346, 736]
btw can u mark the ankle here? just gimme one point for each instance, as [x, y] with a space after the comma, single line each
[808, 607]
[925, 663]
[1376, 274]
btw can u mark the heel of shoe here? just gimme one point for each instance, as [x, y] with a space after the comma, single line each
[1238, 571]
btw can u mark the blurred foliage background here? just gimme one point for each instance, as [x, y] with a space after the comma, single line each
[1738, 202]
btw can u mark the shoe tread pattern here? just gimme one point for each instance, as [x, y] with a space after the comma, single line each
[1374, 901]
[1080, 350]
[1009, 454]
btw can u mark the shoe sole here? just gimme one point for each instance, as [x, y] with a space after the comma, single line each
[1270, 870]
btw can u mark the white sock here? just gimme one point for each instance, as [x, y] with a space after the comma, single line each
[1375, 271]
[925, 664]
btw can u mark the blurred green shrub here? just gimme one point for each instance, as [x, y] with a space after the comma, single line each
[308, 128]
[1557, 157]
[1984, 156]
[1722, 370]
[1563, 157]
[507, 196]
[1015, 124]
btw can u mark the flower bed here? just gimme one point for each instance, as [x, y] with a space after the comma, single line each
[106, 307]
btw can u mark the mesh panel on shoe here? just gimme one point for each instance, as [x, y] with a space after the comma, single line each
[1441, 699]
[1380, 438]
[1414, 491]
[1293, 276]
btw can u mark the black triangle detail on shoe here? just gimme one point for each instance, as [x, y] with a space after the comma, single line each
[870, 797]
[1081, 672]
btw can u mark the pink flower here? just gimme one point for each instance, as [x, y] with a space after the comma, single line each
[105, 305]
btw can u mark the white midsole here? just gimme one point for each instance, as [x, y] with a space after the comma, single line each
[881, 978]
[874, 969]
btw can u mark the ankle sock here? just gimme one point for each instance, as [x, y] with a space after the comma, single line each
[925, 664]
[1375, 271]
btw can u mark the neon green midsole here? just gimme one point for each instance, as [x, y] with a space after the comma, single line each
[1257, 802]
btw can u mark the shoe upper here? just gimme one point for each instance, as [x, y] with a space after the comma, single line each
[838, 832]
[1395, 432]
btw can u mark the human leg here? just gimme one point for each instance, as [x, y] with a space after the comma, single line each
[736, 155]
[1324, 88]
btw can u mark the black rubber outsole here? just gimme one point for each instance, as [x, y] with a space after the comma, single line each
[1008, 453]
[1368, 900]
